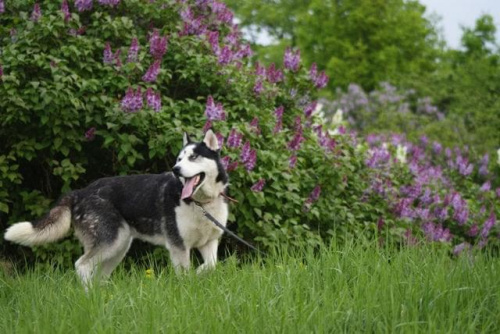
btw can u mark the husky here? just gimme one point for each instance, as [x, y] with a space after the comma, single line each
[158, 208]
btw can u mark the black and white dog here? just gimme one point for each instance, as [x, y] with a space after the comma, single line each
[109, 213]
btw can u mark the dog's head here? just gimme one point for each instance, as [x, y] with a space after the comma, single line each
[199, 168]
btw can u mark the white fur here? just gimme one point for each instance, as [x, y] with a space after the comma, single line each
[25, 234]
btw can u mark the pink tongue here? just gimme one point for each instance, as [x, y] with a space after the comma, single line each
[188, 189]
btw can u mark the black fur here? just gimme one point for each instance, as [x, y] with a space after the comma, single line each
[139, 200]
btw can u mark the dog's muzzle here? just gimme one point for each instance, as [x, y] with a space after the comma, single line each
[177, 171]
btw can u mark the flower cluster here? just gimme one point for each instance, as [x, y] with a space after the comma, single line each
[214, 111]
[291, 60]
[132, 101]
[133, 51]
[157, 45]
[36, 14]
[83, 5]
[319, 80]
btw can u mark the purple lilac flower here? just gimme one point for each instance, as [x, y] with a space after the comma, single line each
[248, 156]
[36, 14]
[257, 187]
[314, 195]
[152, 72]
[225, 162]
[213, 39]
[424, 140]
[313, 72]
[298, 137]
[486, 186]
[260, 70]
[437, 232]
[460, 248]
[497, 190]
[213, 111]
[207, 126]
[65, 11]
[258, 88]
[1, 72]
[112, 3]
[2, 7]
[473, 231]
[133, 51]
[225, 56]
[132, 101]
[321, 80]
[232, 166]
[233, 37]
[108, 54]
[463, 166]
[437, 147]
[255, 125]
[243, 51]
[461, 216]
[488, 224]
[291, 60]
[225, 15]
[234, 139]
[153, 99]
[379, 157]
[292, 161]
[116, 58]
[90, 134]
[403, 208]
[441, 213]
[83, 5]
[157, 45]
[308, 110]
[278, 112]
[274, 75]
[220, 139]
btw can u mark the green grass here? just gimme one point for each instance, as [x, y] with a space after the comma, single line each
[341, 289]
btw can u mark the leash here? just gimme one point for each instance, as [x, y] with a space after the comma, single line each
[225, 229]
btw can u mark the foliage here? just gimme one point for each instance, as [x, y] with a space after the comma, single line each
[466, 85]
[342, 288]
[74, 110]
[109, 90]
[362, 41]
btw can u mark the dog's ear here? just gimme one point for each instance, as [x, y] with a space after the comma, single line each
[185, 139]
[211, 140]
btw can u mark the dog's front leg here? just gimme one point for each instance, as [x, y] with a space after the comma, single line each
[180, 259]
[209, 254]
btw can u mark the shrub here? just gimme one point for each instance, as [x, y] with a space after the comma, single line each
[108, 90]
[95, 89]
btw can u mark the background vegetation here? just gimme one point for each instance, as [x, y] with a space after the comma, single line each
[94, 89]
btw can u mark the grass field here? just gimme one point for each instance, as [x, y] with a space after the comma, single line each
[351, 288]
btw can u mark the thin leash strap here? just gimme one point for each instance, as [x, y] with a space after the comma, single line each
[225, 229]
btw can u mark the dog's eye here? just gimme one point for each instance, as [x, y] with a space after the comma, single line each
[193, 157]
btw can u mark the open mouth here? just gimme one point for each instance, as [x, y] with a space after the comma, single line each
[191, 185]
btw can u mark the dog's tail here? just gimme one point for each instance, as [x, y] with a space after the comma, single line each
[53, 226]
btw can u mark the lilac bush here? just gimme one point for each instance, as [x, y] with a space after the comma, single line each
[94, 103]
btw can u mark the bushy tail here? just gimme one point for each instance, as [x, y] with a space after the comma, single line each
[50, 228]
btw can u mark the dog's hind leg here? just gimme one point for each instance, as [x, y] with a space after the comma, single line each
[209, 253]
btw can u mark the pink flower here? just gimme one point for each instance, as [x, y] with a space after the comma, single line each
[292, 161]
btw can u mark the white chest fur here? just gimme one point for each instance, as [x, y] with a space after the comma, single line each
[194, 228]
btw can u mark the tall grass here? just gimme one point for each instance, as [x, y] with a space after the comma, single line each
[348, 288]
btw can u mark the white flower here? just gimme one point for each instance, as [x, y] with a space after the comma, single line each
[319, 107]
[401, 153]
[337, 118]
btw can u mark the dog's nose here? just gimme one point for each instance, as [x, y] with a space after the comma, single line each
[177, 171]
